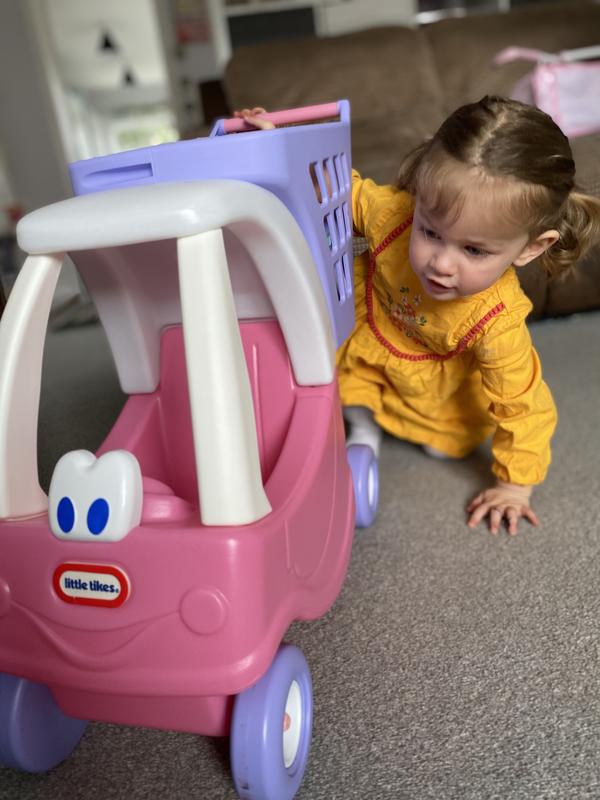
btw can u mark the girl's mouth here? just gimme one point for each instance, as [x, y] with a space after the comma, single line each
[435, 287]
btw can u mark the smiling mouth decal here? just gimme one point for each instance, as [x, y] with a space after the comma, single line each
[100, 660]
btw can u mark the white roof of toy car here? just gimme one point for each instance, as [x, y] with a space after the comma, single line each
[151, 256]
[119, 240]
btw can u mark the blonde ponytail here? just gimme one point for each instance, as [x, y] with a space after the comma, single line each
[579, 229]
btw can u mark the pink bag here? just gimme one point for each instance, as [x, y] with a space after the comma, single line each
[561, 85]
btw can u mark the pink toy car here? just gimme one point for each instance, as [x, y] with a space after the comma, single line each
[155, 582]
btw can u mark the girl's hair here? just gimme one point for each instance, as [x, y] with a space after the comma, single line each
[523, 157]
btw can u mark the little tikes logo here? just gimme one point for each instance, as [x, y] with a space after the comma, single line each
[91, 584]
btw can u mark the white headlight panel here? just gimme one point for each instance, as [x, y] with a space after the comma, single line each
[95, 499]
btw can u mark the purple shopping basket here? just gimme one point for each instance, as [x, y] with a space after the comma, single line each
[307, 166]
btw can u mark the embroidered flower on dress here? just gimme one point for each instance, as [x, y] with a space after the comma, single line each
[404, 317]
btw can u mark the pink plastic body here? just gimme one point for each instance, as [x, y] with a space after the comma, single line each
[287, 117]
[206, 607]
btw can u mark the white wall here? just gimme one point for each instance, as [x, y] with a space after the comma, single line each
[334, 17]
[34, 157]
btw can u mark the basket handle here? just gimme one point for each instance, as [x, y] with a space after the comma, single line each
[287, 117]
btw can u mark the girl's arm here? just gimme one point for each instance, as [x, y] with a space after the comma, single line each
[364, 201]
[525, 416]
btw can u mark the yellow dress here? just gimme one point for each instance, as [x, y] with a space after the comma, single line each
[442, 373]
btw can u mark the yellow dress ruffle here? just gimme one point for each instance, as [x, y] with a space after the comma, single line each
[443, 373]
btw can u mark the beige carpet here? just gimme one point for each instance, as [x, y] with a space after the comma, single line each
[454, 665]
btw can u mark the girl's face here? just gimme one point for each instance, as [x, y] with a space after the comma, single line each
[458, 257]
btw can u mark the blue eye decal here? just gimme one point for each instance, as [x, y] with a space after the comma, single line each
[65, 513]
[97, 516]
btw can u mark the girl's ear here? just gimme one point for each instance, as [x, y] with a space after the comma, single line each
[536, 247]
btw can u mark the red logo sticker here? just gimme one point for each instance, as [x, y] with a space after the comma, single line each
[91, 584]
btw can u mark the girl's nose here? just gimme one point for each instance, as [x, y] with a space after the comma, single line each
[443, 263]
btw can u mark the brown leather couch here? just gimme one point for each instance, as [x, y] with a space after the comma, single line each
[402, 82]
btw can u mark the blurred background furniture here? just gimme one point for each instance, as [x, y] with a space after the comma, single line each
[87, 79]
[402, 82]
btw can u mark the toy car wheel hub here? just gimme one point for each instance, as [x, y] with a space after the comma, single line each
[292, 724]
[372, 490]
[365, 478]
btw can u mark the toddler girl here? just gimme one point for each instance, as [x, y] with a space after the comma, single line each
[440, 354]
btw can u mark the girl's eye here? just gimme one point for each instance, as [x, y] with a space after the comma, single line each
[429, 234]
[476, 251]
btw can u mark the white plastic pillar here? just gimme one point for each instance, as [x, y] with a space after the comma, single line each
[22, 334]
[219, 33]
[225, 442]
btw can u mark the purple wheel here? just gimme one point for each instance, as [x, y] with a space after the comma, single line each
[365, 477]
[271, 729]
[35, 735]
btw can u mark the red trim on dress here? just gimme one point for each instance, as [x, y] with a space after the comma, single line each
[462, 345]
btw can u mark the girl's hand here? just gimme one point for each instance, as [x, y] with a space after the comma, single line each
[250, 115]
[504, 501]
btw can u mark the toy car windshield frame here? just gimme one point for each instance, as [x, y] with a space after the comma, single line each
[194, 214]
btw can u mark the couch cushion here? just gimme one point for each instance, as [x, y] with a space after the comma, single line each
[381, 71]
[579, 290]
[586, 152]
[534, 282]
[379, 144]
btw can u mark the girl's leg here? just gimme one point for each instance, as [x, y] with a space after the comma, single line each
[363, 428]
[435, 453]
